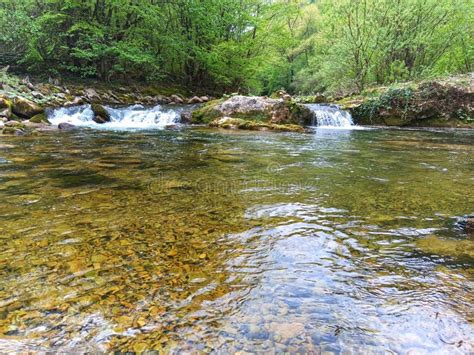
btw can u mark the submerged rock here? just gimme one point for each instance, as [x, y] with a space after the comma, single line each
[466, 224]
[26, 108]
[101, 115]
[237, 123]
[66, 126]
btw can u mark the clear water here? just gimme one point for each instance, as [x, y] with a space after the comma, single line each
[331, 116]
[121, 118]
[341, 241]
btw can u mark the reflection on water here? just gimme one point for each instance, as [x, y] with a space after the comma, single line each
[237, 241]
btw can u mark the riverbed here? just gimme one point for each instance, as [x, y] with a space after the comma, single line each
[226, 241]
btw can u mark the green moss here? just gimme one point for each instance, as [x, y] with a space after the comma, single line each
[238, 123]
[260, 116]
[11, 130]
[40, 118]
[206, 113]
[457, 249]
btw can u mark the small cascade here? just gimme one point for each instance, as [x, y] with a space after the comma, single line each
[131, 117]
[330, 116]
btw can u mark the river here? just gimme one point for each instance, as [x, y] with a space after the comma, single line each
[226, 241]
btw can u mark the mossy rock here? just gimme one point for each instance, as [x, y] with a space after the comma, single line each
[207, 112]
[254, 108]
[238, 123]
[101, 115]
[26, 108]
[5, 107]
[457, 249]
[40, 118]
[13, 131]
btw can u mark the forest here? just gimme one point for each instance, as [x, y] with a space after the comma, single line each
[249, 46]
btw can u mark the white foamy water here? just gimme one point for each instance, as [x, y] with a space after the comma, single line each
[331, 116]
[131, 117]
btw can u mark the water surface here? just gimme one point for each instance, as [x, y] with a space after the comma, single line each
[237, 241]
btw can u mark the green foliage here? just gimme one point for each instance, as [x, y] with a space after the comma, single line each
[250, 46]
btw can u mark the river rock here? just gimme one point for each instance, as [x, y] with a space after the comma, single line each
[5, 113]
[185, 117]
[16, 124]
[40, 118]
[77, 100]
[101, 115]
[66, 126]
[194, 100]
[467, 224]
[13, 130]
[37, 95]
[255, 108]
[91, 94]
[176, 99]
[319, 98]
[287, 331]
[204, 98]
[26, 108]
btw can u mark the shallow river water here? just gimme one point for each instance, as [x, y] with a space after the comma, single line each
[218, 241]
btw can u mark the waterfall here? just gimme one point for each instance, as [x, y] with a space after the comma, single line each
[131, 117]
[330, 116]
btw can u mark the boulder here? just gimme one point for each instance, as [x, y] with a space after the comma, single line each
[5, 107]
[176, 99]
[40, 118]
[320, 98]
[204, 98]
[66, 126]
[15, 124]
[5, 113]
[101, 115]
[185, 117]
[13, 130]
[77, 100]
[26, 108]
[255, 108]
[195, 100]
[91, 94]
[37, 95]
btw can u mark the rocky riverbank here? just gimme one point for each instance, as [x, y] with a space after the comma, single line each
[23, 103]
[441, 103]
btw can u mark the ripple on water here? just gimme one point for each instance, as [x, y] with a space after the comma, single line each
[196, 240]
